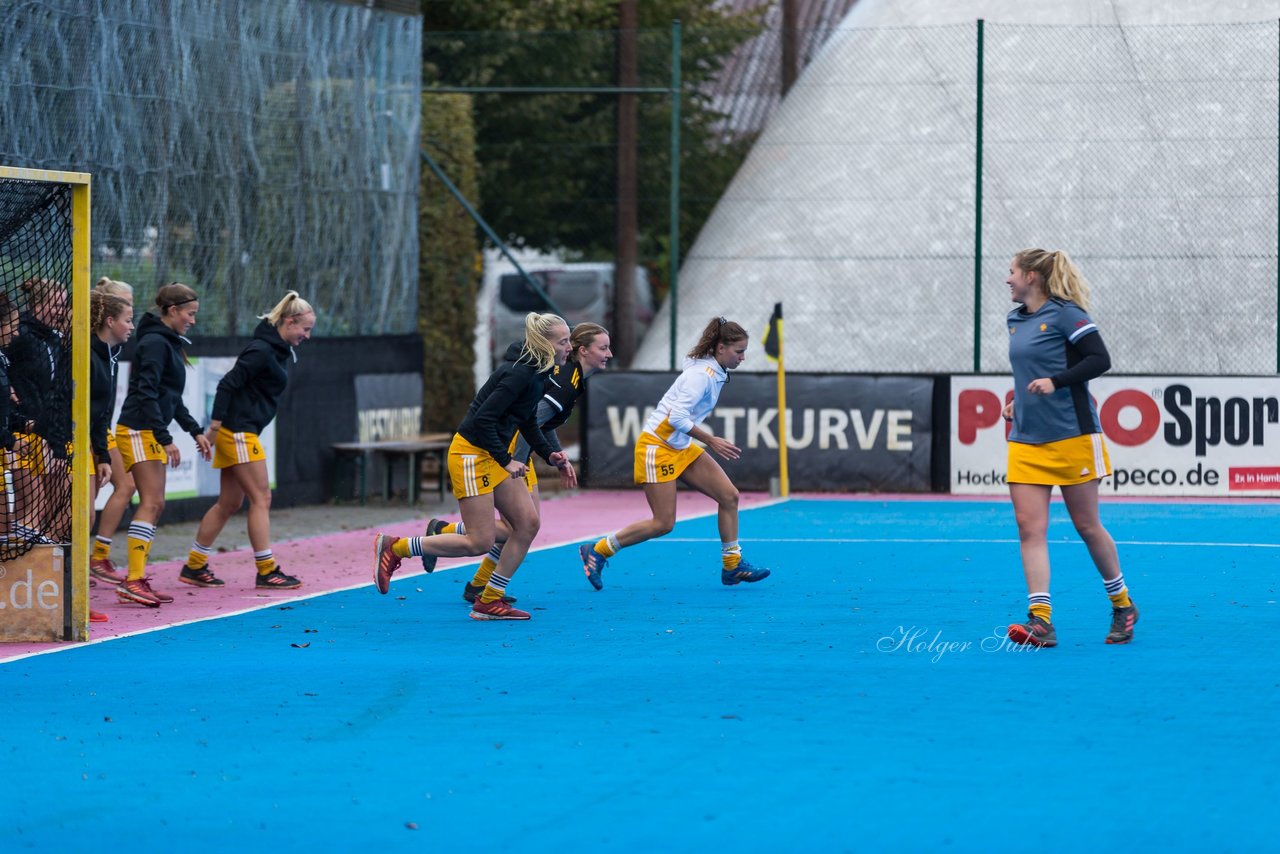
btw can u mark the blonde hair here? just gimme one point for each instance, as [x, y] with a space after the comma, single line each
[291, 305]
[124, 290]
[537, 338]
[1059, 277]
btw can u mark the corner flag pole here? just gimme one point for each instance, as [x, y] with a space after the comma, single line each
[773, 350]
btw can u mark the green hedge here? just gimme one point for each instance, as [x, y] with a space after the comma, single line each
[449, 263]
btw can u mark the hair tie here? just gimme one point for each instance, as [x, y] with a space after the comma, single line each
[722, 320]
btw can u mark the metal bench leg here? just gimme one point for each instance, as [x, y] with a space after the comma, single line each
[415, 475]
[363, 464]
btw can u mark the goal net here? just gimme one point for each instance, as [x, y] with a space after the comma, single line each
[44, 271]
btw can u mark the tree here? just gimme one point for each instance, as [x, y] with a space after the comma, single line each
[547, 161]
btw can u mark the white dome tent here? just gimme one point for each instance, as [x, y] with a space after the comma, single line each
[1140, 137]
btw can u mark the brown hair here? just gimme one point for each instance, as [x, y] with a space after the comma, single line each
[174, 294]
[1058, 275]
[584, 335]
[718, 331]
[103, 305]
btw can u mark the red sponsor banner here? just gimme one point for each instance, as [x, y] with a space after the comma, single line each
[1257, 477]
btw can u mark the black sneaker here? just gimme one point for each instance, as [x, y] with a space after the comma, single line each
[202, 577]
[277, 580]
[1122, 622]
[472, 592]
[434, 527]
[1035, 631]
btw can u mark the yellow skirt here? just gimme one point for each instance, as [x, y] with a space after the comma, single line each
[138, 446]
[1063, 463]
[233, 449]
[473, 470]
[657, 463]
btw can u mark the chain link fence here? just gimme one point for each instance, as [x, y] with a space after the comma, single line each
[1148, 153]
[242, 147]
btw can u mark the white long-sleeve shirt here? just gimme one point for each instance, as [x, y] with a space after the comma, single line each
[687, 403]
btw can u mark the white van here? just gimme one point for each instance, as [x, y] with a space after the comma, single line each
[582, 292]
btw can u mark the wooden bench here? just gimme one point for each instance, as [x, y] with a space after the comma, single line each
[413, 450]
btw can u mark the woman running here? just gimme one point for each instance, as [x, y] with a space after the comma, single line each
[486, 476]
[245, 403]
[1054, 350]
[122, 489]
[156, 382]
[590, 353]
[665, 454]
[111, 319]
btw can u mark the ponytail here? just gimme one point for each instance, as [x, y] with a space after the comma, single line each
[537, 339]
[718, 331]
[291, 305]
[1059, 277]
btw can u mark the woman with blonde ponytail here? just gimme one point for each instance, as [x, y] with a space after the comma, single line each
[1055, 349]
[244, 404]
[486, 477]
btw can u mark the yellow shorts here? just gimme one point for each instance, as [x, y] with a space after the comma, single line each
[1063, 463]
[31, 455]
[233, 449]
[111, 441]
[137, 446]
[530, 476]
[473, 470]
[657, 463]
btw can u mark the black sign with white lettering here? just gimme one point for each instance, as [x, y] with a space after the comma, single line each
[846, 433]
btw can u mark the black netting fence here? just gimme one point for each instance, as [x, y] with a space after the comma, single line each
[35, 354]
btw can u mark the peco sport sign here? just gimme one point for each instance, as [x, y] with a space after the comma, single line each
[1168, 436]
[845, 433]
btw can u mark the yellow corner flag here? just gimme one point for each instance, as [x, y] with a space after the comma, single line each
[773, 351]
[773, 335]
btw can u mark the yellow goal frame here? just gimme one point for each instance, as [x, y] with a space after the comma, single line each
[84, 467]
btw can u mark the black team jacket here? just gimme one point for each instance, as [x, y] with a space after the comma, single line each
[103, 374]
[39, 373]
[249, 394]
[507, 402]
[157, 377]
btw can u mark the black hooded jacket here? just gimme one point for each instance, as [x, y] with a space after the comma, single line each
[249, 394]
[508, 401]
[103, 373]
[157, 377]
[39, 372]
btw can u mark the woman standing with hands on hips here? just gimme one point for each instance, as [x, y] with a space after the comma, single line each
[244, 404]
[665, 454]
[1055, 349]
[156, 382]
[486, 476]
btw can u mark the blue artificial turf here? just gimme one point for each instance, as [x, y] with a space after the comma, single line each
[859, 699]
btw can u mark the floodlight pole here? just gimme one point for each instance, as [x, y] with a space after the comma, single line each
[673, 253]
[977, 224]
